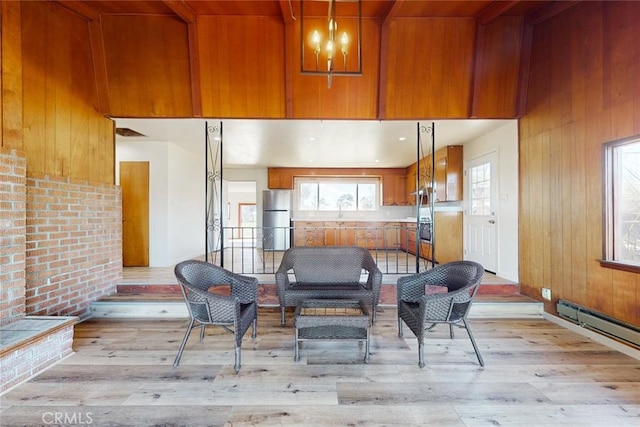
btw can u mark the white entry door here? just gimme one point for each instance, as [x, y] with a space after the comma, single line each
[480, 219]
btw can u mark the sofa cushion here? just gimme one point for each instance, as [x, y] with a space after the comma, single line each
[329, 267]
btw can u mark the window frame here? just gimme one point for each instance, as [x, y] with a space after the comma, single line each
[609, 214]
[337, 180]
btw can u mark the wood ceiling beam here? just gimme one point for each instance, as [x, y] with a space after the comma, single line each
[183, 10]
[523, 73]
[96, 40]
[80, 8]
[287, 11]
[495, 10]
[100, 65]
[187, 14]
[536, 17]
[548, 11]
[290, 49]
[392, 12]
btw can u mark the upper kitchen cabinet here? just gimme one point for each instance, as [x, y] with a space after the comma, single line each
[280, 179]
[394, 190]
[448, 173]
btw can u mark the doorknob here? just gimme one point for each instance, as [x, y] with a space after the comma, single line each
[492, 221]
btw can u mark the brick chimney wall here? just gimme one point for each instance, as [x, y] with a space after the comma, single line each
[12, 235]
[73, 244]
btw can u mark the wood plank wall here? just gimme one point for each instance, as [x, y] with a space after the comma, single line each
[349, 97]
[583, 92]
[77, 65]
[499, 47]
[10, 76]
[147, 56]
[53, 115]
[242, 65]
[430, 68]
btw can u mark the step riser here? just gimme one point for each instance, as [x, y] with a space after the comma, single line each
[178, 310]
[484, 289]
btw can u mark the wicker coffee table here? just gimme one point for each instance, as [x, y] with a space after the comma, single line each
[325, 319]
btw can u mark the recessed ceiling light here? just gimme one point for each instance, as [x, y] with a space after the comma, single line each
[402, 138]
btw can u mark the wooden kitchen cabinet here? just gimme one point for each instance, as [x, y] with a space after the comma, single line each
[339, 233]
[279, 179]
[370, 235]
[411, 184]
[411, 240]
[448, 236]
[394, 190]
[448, 173]
[425, 250]
[309, 234]
[425, 247]
[393, 235]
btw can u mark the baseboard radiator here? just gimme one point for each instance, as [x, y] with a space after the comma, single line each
[599, 322]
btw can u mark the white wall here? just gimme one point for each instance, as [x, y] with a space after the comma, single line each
[186, 202]
[176, 193]
[504, 142]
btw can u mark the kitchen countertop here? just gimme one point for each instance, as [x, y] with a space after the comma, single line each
[353, 220]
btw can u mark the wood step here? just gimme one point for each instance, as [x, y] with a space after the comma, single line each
[148, 288]
[171, 305]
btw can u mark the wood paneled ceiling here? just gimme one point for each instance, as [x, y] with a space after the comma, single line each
[481, 9]
[473, 72]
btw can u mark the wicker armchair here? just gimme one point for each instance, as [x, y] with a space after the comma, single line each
[441, 295]
[234, 313]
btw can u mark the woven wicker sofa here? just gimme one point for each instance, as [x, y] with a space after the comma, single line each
[335, 272]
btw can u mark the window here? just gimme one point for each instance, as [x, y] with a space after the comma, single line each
[480, 185]
[338, 194]
[622, 193]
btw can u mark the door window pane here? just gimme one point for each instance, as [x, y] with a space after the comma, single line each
[480, 185]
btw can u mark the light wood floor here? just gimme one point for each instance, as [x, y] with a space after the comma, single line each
[537, 374]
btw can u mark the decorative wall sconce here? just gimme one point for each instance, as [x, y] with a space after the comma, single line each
[331, 47]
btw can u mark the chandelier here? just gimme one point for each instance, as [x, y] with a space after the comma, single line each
[331, 47]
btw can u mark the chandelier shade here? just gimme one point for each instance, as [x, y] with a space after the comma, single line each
[331, 38]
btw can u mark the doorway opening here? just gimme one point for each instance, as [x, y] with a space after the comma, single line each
[242, 213]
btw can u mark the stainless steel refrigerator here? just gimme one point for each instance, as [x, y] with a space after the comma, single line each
[276, 220]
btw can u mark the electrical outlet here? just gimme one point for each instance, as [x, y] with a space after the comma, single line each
[546, 294]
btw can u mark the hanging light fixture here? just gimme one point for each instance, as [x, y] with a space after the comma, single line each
[323, 46]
